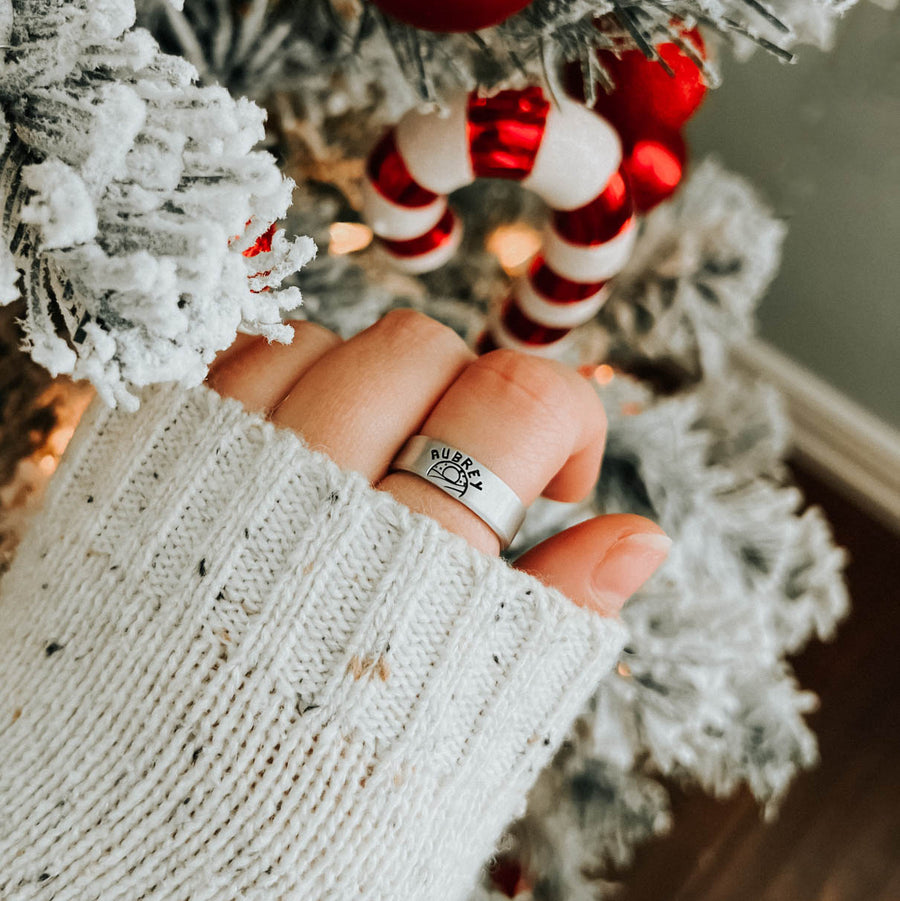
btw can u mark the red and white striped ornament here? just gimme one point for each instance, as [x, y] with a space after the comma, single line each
[565, 153]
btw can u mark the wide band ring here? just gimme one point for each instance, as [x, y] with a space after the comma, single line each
[462, 477]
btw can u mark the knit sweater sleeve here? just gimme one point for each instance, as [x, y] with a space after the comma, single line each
[230, 669]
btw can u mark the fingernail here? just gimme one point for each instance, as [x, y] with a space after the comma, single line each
[626, 566]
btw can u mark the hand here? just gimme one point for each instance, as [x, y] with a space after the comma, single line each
[536, 423]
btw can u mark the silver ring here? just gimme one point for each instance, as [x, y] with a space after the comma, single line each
[464, 478]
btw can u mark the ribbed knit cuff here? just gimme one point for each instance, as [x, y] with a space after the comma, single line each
[230, 669]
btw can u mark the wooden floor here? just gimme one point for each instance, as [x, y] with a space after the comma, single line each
[838, 835]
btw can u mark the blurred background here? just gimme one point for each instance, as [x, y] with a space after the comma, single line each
[821, 140]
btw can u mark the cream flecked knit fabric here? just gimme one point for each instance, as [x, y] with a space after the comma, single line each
[230, 669]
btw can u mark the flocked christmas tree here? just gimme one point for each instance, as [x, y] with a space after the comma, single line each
[138, 208]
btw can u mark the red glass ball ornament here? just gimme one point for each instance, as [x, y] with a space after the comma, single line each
[451, 15]
[645, 94]
[508, 877]
[654, 164]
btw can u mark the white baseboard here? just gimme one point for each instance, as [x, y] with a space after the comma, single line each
[854, 450]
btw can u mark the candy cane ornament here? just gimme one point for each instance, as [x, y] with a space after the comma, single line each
[565, 153]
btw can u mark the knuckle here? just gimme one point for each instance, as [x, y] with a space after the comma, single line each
[540, 383]
[412, 325]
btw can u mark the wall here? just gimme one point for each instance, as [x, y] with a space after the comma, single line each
[821, 140]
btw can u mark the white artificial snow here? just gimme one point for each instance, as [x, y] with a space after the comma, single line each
[61, 207]
[138, 191]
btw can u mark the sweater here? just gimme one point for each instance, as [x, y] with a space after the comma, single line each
[230, 669]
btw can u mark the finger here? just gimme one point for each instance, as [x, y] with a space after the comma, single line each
[361, 401]
[599, 563]
[524, 418]
[260, 374]
[241, 340]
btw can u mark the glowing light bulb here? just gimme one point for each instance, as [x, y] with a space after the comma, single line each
[348, 237]
[604, 374]
[59, 439]
[514, 245]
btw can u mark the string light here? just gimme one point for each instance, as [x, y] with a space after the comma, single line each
[59, 439]
[604, 374]
[348, 237]
[514, 245]
[68, 402]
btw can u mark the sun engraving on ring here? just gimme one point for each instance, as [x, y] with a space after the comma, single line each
[453, 471]
[451, 476]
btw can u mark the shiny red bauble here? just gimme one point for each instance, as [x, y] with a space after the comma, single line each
[451, 15]
[508, 878]
[646, 93]
[654, 164]
[648, 108]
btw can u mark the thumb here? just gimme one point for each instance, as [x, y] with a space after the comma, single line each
[599, 563]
